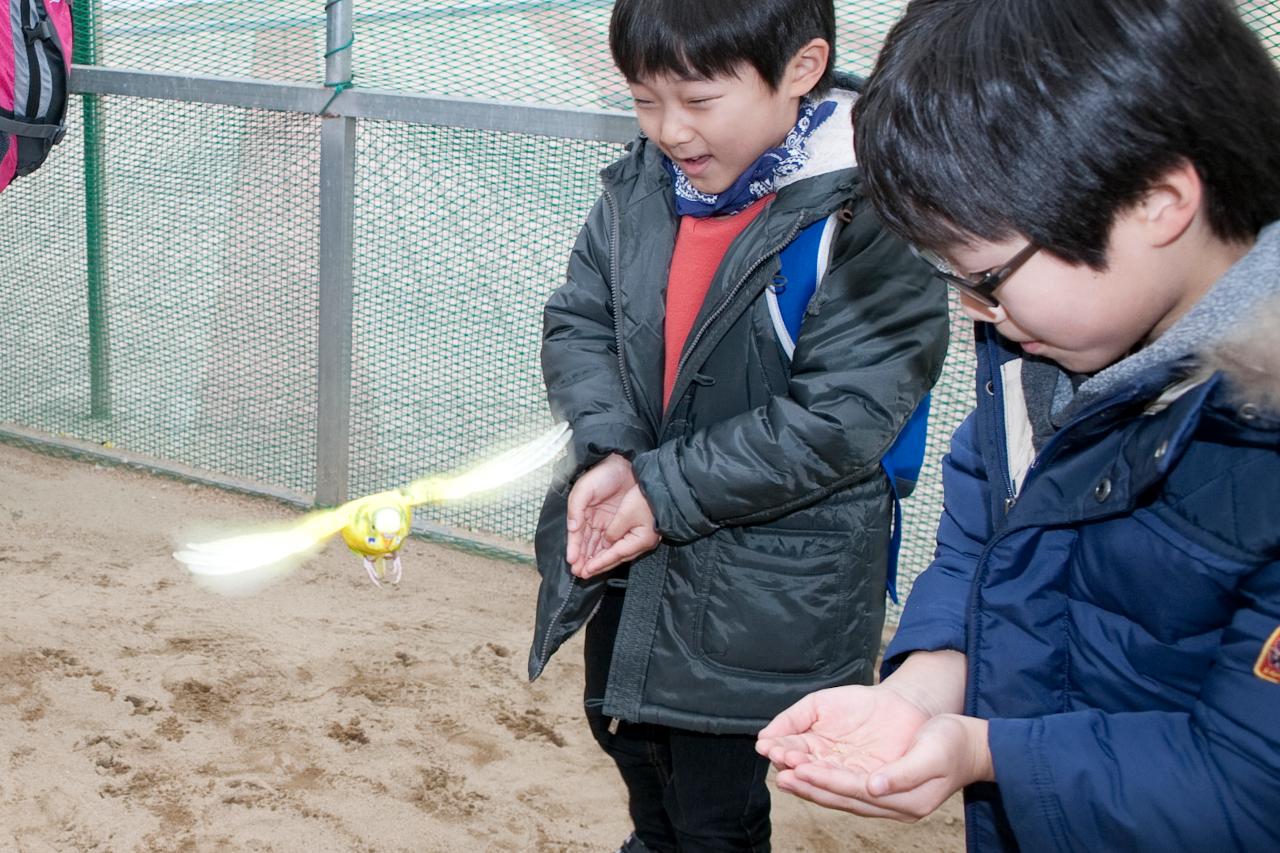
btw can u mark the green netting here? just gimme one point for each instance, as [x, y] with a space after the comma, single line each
[204, 326]
[456, 250]
[279, 39]
[545, 51]
[210, 310]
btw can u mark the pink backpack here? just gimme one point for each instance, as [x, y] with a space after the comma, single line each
[35, 62]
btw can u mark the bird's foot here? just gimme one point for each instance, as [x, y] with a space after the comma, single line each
[375, 570]
[376, 567]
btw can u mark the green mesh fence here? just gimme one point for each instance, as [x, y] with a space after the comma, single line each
[544, 51]
[454, 260]
[198, 318]
[209, 223]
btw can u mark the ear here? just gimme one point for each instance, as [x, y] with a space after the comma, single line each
[806, 68]
[1169, 207]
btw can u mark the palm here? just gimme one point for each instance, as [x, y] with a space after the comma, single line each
[859, 728]
[593, 503]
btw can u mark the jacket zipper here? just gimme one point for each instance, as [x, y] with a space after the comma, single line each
[615, 293]
[997, 384]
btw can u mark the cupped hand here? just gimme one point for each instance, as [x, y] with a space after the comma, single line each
[630, 534]
[593, 502]
[947, 753]
[852, 727]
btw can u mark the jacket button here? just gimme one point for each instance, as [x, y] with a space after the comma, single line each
[991, 388]
[1248, 412]
[1103, 490]
[1162, 450]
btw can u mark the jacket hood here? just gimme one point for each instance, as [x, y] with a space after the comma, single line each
[830, 147]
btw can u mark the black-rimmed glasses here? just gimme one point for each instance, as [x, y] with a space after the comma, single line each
[981, 285]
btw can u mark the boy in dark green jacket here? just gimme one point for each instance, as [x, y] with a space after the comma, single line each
[736, 346]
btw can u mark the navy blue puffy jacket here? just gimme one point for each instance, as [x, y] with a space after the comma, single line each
[1116, 615]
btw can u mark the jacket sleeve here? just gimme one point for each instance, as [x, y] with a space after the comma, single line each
[936, 612]
[1204, 780]
[580, 362]
[871, 345]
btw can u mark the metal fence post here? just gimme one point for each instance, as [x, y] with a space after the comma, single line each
[88, 51]
[337, 221]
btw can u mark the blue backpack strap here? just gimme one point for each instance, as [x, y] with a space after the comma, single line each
[804, 262]
[902, 464]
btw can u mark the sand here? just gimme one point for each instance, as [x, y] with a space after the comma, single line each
[140, 711]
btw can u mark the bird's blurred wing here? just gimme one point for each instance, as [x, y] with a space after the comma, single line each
[257, 550]
[502, 469]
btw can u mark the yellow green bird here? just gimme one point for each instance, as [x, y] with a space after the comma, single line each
[374, 526]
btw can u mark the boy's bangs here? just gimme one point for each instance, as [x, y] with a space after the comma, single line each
[655, 47]
[702, 39]
[929, 191]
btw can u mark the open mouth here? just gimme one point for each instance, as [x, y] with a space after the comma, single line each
[694, 166]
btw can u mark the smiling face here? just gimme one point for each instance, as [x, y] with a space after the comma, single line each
[714, 129]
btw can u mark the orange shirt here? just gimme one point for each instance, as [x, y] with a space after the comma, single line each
[700, 246]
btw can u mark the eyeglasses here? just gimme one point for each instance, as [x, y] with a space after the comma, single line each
[980, 285]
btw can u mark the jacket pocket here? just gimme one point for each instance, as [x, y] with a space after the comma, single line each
[774, 600]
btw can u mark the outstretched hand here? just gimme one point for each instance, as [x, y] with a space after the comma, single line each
[609, 519]
[948, 752]
[854, 727]
[894, 750]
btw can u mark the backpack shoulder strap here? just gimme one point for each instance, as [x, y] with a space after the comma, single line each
[804, 263]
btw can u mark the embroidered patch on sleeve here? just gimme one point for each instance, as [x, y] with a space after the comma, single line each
[1268, 666]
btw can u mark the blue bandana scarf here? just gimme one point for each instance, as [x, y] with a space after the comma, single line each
[760, 178]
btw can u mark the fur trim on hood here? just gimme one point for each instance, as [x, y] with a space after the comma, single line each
[1250, 359]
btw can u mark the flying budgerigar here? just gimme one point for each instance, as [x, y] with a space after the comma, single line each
[374, 526]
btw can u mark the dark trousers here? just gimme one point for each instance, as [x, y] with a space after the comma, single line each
[687, 791]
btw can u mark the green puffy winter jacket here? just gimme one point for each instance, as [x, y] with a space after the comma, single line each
[764, 473]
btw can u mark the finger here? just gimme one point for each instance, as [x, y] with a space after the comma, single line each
[581, 496]
[573, 542]
[801, 743]
[633, 545]
[791, 782]
[594, 544]
[619, 527]
[790, 757]
[614, 555]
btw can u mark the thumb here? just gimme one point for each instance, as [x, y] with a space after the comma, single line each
[580, 497]
[909, 772]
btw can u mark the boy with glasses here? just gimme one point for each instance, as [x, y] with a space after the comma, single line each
[1094, 655]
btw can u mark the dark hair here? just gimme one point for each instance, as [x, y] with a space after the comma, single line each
[700, 39]
[991, 118]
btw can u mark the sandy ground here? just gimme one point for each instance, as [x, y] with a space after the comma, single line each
[142, 712]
